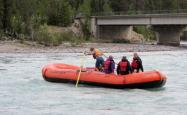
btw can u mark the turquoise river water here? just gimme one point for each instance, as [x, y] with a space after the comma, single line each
[24, 92]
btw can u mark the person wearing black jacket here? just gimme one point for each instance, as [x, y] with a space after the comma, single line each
[124, 67]
[136, 63]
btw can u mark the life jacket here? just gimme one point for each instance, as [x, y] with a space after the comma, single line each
[107, 64]
[134, 63]
[123, 66]
[97, 53]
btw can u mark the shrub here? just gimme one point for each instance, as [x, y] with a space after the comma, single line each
[146, 32]
[43, 36]
[54, 39]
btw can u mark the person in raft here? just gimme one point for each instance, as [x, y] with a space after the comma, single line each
[109, 65]
[124, 67]
[136, 64]
[97, 54]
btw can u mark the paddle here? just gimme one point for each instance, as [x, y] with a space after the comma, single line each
[79, 74]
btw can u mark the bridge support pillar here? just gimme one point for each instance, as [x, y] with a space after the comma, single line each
[168, 34]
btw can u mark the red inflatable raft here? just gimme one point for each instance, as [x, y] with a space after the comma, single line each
[69, 73]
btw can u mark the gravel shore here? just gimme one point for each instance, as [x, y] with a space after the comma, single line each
[16, 47]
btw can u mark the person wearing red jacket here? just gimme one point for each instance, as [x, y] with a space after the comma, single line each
[109, 65]
[124, 67]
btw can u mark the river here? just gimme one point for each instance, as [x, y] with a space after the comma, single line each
[24, 92]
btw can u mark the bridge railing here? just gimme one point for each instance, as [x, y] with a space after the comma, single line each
[139, 12]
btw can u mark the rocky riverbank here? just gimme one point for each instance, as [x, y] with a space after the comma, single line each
[28, 47]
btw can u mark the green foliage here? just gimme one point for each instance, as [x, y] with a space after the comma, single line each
[86, 29]
[17, 25]
[42, 36]
[5, 6]
[148, 6]
[1, 15]
[54, 39]
[75, 4]
[48, 39]
[85, 8]
[146, 32]
[169, 5]
[60, 13]
[1, 34]
[120, 5]
[107, 8]
[97, 6]
[23, 19]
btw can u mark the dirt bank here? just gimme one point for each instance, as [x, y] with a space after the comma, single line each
[28, 47]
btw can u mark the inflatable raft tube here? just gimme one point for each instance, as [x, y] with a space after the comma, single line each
[68, 74]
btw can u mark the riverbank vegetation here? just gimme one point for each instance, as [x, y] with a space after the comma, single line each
[31, 19]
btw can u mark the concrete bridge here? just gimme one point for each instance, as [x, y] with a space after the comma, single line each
[167, 26]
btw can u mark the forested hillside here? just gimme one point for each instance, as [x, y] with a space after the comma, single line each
[25, 18]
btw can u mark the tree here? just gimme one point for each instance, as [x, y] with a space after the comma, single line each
[120, 5]
[59, 13]
[183, 4]
[107, 8]
[85, 8]
[75, 4]
[6, 13]
[169, 5]
[97, 6]
[1, 14]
